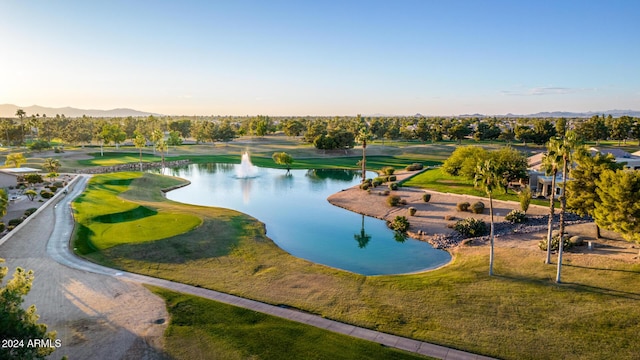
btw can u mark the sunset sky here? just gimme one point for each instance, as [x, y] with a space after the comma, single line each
[322, 57]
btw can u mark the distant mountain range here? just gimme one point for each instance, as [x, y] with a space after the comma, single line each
[9, 110]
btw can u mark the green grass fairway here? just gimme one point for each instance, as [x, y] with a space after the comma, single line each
[206, 329]
[106, 219]
[519, 313]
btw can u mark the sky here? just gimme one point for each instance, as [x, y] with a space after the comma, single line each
[301, 57]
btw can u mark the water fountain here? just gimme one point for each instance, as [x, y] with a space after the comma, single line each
[246, 170]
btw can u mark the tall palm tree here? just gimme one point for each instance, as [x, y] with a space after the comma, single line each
[162, 147]
[551, 161]
[21, 114]
[569, 144]
[488, 179]
[363, 136]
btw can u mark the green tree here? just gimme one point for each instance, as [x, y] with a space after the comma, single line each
[31, 194]
[282, 158]
[459, 131]
[15, 159]
[619, 205]
[174, 139]
[51, 164]
[488, 178]
[140, 142]
[162, 147]
[4, 203]
[619, 128]
[551, 162]
[17, 323]
[511, 163]
[581, 189]
[464, 160]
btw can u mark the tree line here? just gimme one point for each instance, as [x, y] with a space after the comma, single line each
[325, 133]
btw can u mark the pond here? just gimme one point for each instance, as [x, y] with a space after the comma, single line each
[301, 221]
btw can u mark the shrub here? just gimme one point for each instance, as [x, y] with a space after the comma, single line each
[576, 240]
[364, 186]
[516, 217]
[45, 194]
[463, 206]
[470, 227]
[400, 224]
[555, 241]
[426, 197]
[33, 178]
[30, 211]
[2, 226]
[392, 178]
[15, 222]
[525, 199]
[388, 170]
[414, 167]
[53, 188]
[477, 207]
[381, 179]
[376, 183]
[58, 184]
[449, 217]
[412, 211]
[393, 186]
[393, 200]
[403, 202]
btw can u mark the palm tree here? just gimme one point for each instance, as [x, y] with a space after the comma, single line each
[488, 179]
[21, 114]
[140, 142]
[569, 144]
[51, 164]
[363, 136]
[551, 161]
[161, 146]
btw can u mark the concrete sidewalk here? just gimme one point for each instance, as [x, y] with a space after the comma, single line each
[58, 249]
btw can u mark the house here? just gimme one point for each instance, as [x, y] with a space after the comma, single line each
[9, 176]
[539, 181]
[632, 161]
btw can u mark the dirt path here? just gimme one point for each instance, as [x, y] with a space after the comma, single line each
[95, 316]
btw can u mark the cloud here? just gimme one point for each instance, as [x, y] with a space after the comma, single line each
[548, 90]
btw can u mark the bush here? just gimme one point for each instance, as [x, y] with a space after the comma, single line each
[412, 211]
[392, 178]
[403, 202]
[426, 197]
[376, 183]
[30, 211]
[470, 227]
[414, 167]
[15, 222]
[449, 217]
[33, 178]
[525, 199]
[388, 170]
[393, 186]
[576, 240]
[2, 226]
[364, 186]
[53, 188]
[45, 194]
[516, 217]
[477, 207]
[58, 184]
[555, 241]
[393, 200]
[400, 224]
[381, 179]
[463, 206]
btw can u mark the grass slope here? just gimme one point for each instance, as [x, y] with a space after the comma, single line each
[206, 329]
[517, 314]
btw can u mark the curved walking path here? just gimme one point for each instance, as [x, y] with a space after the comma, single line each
[58, 249]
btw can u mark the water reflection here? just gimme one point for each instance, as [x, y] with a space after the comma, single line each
[301, 221]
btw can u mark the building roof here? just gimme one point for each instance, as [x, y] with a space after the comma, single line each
[17, 171]
[535, 161]
[617, 153]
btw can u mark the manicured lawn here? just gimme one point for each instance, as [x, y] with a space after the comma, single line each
[438, 180]
[518, 314]
[105, 219]
[206, 329]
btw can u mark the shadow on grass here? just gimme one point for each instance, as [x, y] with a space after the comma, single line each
[213, 239]
[573, 286]
[134, 214]
[602, 269]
